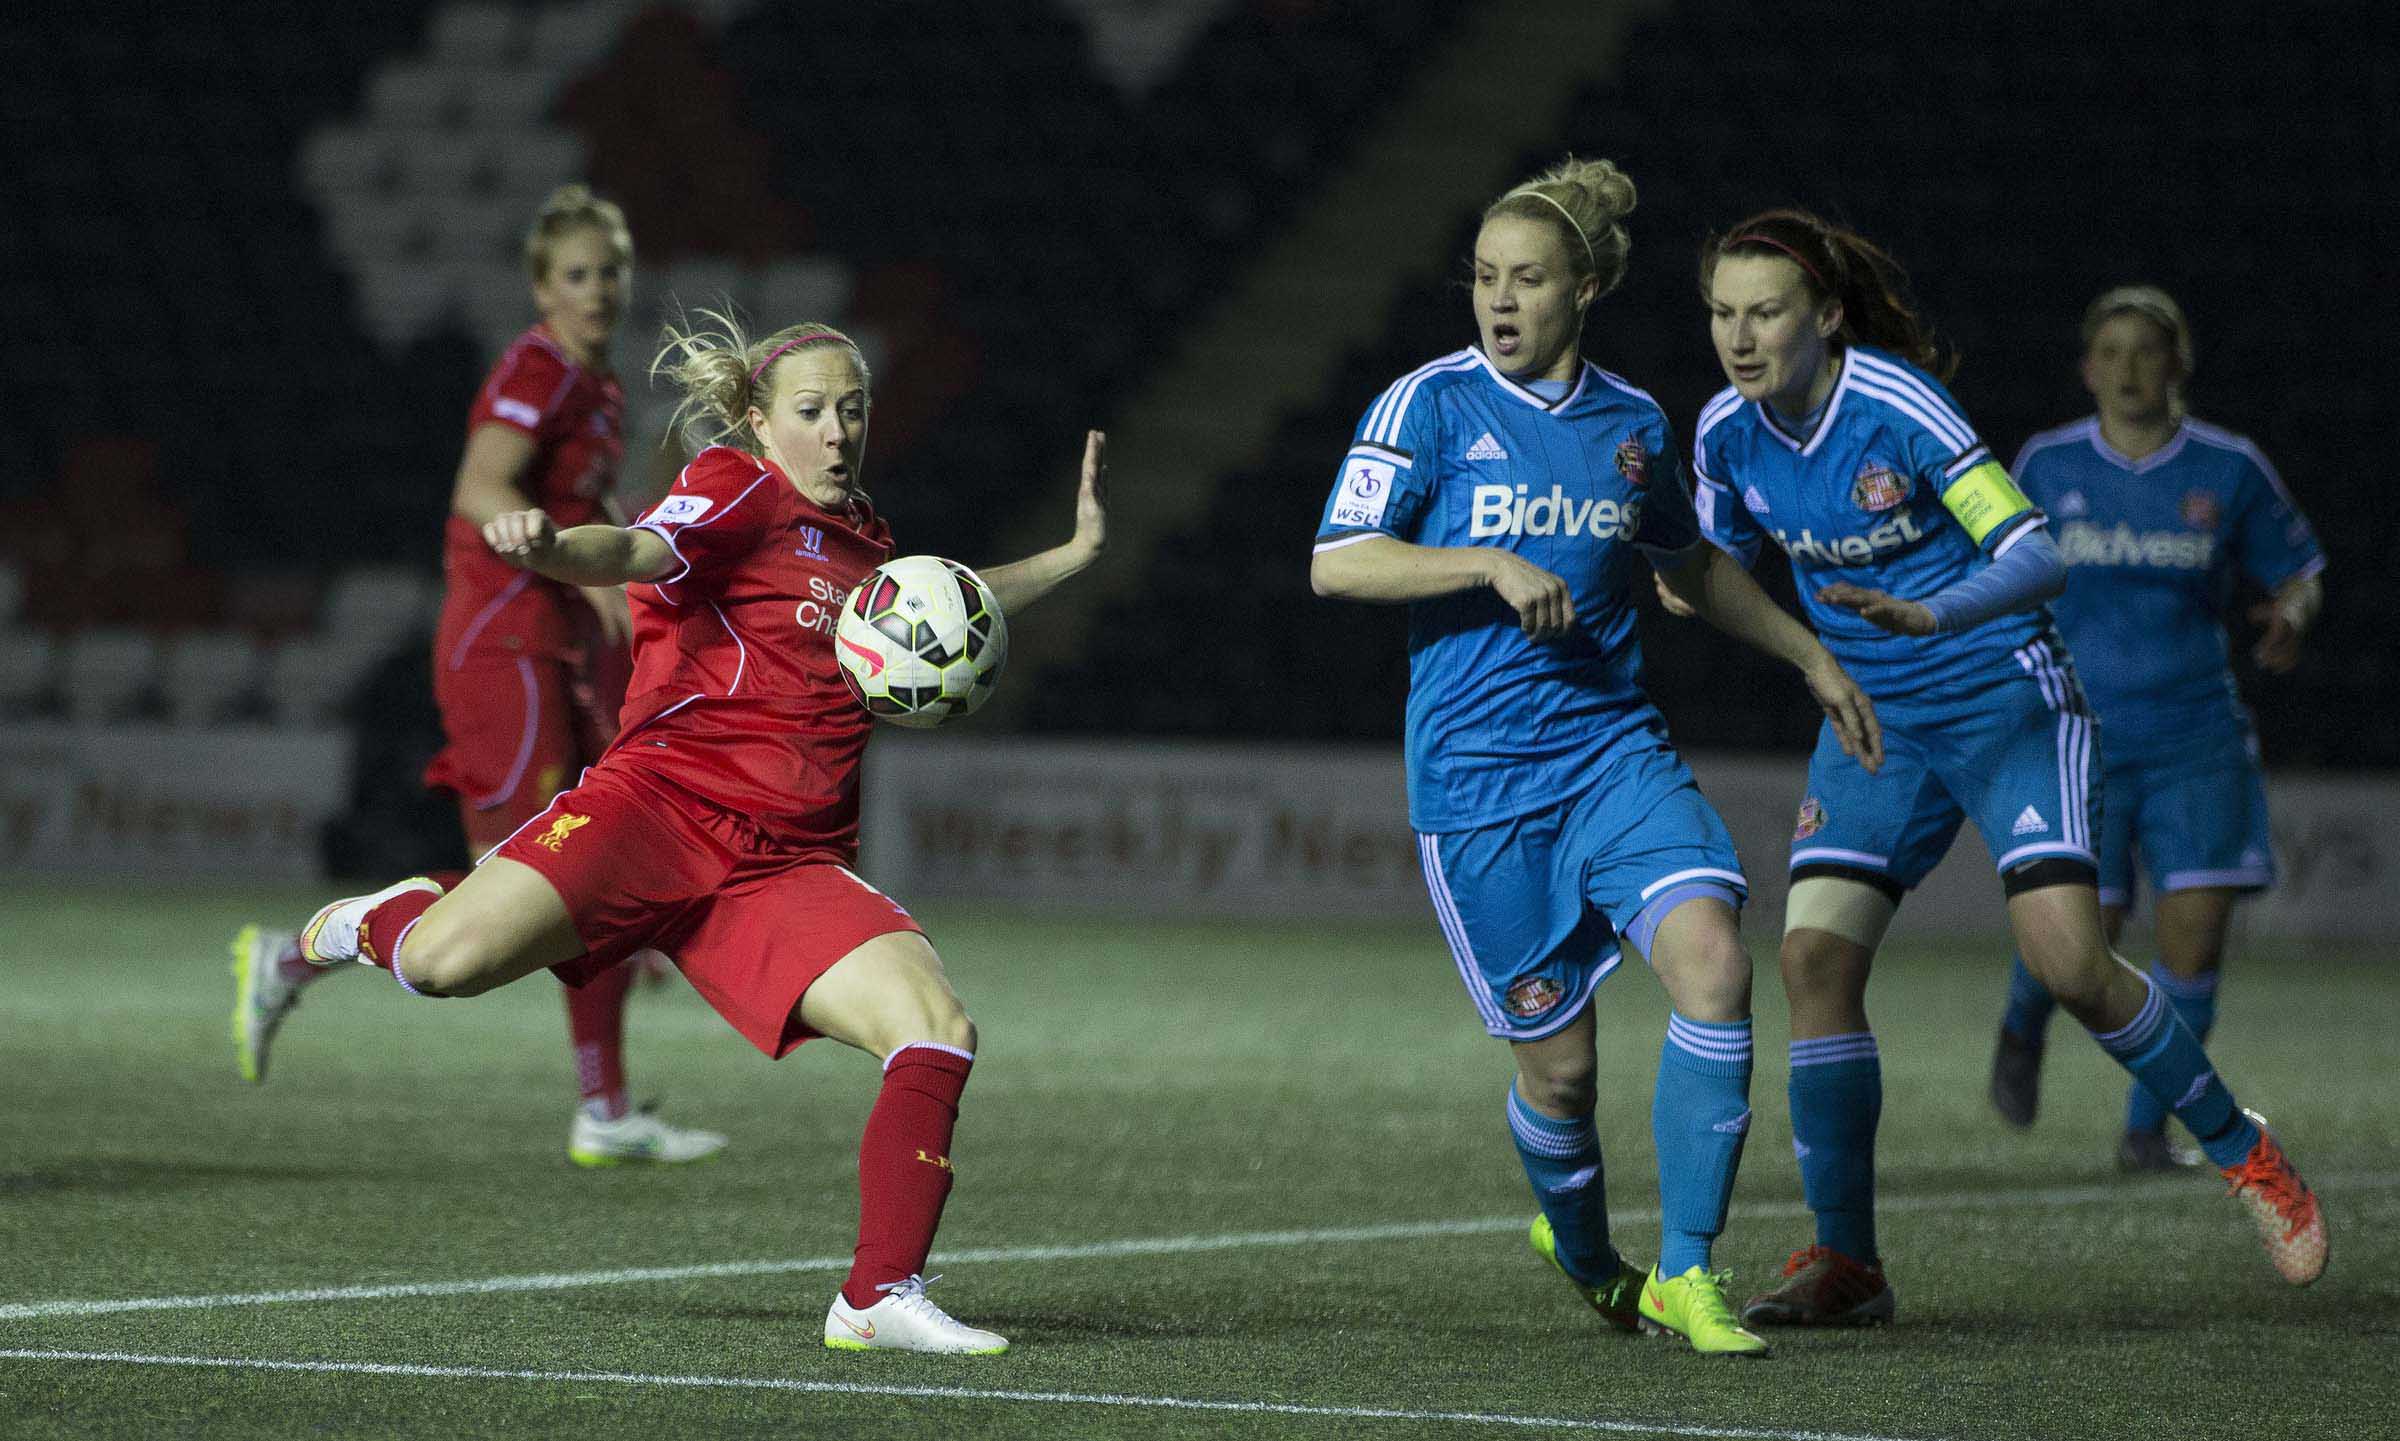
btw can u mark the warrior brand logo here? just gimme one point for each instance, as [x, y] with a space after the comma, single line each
[1504, 510]
[2082, 543]
[1486, 448]
[1532, 996]
[2199, 510]
[1812, 819]
[1633, 463]
[565, 826]
[941, 1161]
[1898, 533]
[812, 540]
[1878, 489]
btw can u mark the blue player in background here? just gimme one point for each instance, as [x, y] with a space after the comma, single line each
[2156, 513]
[1505, 492]
[1925, 572]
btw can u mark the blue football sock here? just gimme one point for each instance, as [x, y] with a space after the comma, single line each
[1562, 1160]
[1699, 1116]
[1837, 1098]
[2164, 1056]
[2029, 1004]
[2195, 1001]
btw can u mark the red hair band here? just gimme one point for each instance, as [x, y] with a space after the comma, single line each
[803, 338]
[1754, 238]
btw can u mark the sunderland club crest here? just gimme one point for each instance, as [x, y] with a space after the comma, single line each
[1877, 488]
[2199, 510]
[1633, 462]
[1812, 819]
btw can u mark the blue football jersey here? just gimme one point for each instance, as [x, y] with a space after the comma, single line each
[1892, 490]
[1457, 454]
[2151, 547]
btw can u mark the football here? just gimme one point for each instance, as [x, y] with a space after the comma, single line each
[921, 641]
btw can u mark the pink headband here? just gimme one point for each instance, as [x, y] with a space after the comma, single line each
[1754, 238]
[803, 338]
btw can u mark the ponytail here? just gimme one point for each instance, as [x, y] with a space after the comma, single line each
[722, 373]
[1840, 265]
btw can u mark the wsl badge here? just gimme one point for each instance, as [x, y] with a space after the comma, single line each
[1812, 819]
[1878, 488]
[2199, 510]
[1633, 463]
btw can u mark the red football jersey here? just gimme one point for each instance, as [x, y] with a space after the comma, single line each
[576, 417]
[736, 695]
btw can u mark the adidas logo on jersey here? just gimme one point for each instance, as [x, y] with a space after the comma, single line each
[1756, 502]
[2029, 821]
[1898, 533]
[1504, 510]
[2082, 543]
[1486, 448]
[2073, 503]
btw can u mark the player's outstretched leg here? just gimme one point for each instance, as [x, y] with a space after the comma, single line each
[889, 997]
[1836, 1094]
[2017, 1057]
[1699, 1114]
[2192, 924]
[2058, 929]
[1549, 1109]
[501, 923]
[608, 1129]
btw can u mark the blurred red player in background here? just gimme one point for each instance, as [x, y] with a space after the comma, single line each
[529, 673]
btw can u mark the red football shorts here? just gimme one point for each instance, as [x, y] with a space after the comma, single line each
[644, 866]
[519, 723]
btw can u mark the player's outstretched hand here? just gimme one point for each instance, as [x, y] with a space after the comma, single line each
[521, 537]
[1900, 617]
[2278, 646]
[1852, 714]
[1676, 605]
[1091, 496]
[1545, 609]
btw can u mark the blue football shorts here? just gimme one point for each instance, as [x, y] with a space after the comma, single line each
[2194, 814]
[2019, 757]
[1533, 907]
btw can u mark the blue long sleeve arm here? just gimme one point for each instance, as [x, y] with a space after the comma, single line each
[2028, 574]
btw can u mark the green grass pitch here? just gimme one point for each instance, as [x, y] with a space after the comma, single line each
[1201, 1086]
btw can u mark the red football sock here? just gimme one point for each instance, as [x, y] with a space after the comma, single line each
[596, 1026]
[382, 929]
[904, 1166]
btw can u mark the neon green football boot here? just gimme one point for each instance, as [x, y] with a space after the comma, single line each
[1692, 1306]
[1616, 1299]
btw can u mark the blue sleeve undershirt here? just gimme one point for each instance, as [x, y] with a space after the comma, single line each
[2029, 573]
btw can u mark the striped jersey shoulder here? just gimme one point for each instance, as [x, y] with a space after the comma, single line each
[2218, 437]
[2074, 432]
[1911, 394]
[1721, 407]
[1625, 387]
[1391, 409]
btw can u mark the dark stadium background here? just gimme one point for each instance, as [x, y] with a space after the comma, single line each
[197, 431]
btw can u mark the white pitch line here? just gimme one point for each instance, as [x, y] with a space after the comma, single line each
[961, 1393]
[1102, 1250]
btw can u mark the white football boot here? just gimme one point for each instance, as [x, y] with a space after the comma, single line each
[265, 988]
[904, 1320]
[637, 1138]
[331, 935]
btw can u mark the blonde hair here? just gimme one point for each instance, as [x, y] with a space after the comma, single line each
[2151, 303]
[1588, 199]
[722, 372]
[571, 208]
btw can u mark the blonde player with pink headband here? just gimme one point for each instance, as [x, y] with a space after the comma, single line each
[722, 826]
